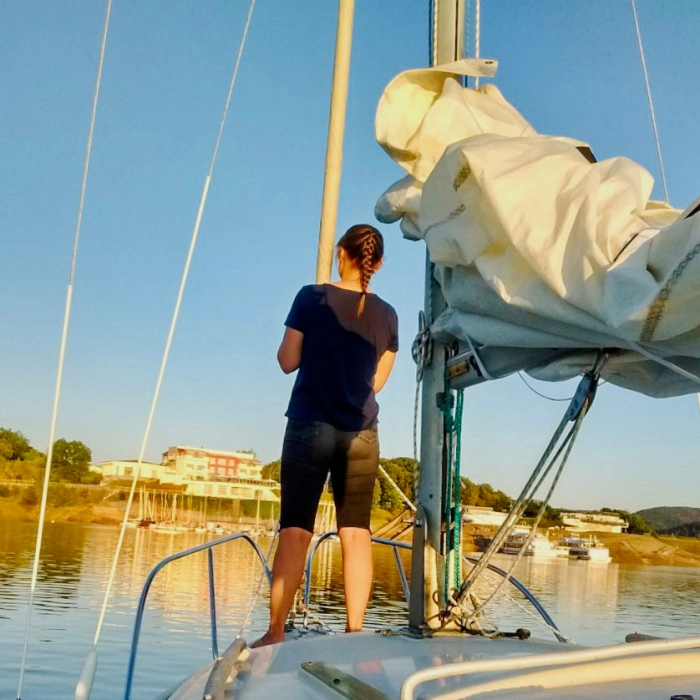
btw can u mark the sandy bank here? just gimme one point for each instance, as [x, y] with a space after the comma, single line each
[624, 549]
[655, 551]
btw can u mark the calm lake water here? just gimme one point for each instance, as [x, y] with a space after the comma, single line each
[592, 603]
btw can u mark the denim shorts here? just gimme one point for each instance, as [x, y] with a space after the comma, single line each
[310, 451]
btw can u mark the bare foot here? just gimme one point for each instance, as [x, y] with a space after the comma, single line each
[267, 639]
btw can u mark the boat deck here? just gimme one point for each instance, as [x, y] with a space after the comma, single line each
[373, 666]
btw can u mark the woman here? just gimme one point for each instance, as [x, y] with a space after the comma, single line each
[343, 340]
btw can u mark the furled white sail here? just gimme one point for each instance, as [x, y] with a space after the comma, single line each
[535, 245]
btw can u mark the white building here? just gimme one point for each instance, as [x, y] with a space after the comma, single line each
[482, 515]
[201, 472]
[202, 464]
[148, 471]
[594, 522]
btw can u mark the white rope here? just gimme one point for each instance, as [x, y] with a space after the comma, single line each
[62, 353]
[256, 594]
[404, 497]
[649, 99]
[664, 362]
[416, 471]
[477, 359]
[537, 393]
[176, 312]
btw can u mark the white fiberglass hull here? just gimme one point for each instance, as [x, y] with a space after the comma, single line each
[376, 666]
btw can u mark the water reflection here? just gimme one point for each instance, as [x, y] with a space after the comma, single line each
[60, 567]
[593, 603]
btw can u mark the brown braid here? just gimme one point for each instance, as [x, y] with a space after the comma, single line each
[365, 247]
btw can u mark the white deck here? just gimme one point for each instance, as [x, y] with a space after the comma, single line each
[385, 662]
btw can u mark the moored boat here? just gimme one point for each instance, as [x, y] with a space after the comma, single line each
[587, 549]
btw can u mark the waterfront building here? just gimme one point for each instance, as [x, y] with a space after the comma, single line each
[594, 522]
[202, 464]
[482, 515]
[198, 471]
[123, 470]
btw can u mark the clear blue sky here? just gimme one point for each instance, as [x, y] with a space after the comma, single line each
[569, 67]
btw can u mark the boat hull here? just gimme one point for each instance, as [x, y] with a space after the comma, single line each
[384, 662]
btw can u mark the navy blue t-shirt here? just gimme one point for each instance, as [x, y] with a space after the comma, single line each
[339, 355]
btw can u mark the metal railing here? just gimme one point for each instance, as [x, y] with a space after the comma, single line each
[209, 546]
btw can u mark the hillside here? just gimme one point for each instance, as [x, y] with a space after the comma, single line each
[656, 551]
[678, 520]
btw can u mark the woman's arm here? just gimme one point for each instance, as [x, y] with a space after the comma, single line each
[384, 366]
[289, 354]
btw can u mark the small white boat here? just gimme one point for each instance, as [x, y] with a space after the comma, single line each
[541, 547]
[587, 549]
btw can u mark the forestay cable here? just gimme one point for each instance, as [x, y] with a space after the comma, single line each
[171, 332]
[575, 413]
[649, 99]
[62, 352]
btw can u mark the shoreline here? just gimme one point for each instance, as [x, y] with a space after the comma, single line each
[646, 550]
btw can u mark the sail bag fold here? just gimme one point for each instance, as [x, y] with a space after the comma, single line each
[535, 246]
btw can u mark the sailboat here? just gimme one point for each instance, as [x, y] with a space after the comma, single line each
[442, 651]
[460, 147]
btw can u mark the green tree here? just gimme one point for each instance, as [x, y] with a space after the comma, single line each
[13, 445]
[272, 470]
[550, 518]
[484, 495]
[636, 523]
[71, 461]
[400, 470]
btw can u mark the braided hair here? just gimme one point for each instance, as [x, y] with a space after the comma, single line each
[364, 245]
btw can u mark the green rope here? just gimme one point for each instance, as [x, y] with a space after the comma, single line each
[458, 482]
[452, 519]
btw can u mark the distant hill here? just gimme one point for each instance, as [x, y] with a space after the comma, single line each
[673, 520]
[688, 530]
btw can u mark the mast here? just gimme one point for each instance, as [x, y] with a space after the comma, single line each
[446, 26]
[334, 147]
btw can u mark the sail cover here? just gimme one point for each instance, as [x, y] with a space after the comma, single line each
[535, 244]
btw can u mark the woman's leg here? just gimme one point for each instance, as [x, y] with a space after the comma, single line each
[353, 473]
[305, 453]
[356, 545]
[287, 572]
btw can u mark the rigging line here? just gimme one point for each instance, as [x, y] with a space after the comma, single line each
[527, 493]
[534, 391]
[652, 112]
[62, 350]
[570, 440]
[638, 347]
[256, 594]
[173, 323]
[397, 488]
[477, 36]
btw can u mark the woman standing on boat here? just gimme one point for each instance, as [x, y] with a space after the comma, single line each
[343, 339]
